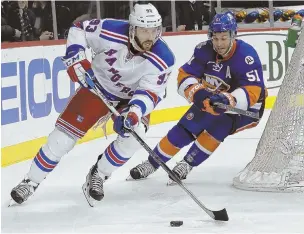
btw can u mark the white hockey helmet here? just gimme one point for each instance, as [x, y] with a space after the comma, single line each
[144, 16]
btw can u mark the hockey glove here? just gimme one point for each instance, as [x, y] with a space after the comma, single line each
[223, 97]
[197, 93]
[129, 120]
[78, 67]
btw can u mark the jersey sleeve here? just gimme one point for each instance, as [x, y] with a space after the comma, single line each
[152, 86]
[151, 90]
[249, 80]
[86, 34]
[193, 70]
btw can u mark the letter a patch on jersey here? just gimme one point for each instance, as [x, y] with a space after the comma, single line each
[228, 74]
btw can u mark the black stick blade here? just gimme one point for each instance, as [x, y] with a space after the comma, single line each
[221, 215]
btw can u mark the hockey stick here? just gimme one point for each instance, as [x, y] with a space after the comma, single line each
[216, 215]
[253, 115]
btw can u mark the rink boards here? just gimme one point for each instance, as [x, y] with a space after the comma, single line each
[35, 87]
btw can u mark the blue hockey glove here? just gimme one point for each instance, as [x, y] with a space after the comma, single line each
[126, 121]
[223, 97]
[197, 93]
[199, 98]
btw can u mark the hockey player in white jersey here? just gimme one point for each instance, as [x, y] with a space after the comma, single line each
[132, 64]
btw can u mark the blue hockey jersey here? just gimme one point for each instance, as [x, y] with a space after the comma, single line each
[240, 73]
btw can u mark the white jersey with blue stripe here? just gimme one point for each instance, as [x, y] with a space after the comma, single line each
[141, 78]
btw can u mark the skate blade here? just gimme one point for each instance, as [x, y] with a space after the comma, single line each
[12, 203]
[129, 178]
[171, 183]
[90, 200]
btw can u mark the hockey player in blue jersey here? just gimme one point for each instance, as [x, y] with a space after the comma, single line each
[132, 64]
[222, 69]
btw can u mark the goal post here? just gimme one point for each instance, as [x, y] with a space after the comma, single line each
[278, 164]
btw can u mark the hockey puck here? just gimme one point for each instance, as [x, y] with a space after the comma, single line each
[176, 223]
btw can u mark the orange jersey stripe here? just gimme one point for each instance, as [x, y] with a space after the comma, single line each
[207, 141]
[254, 93]
[182, 75]
[189, 92]
[166, 146]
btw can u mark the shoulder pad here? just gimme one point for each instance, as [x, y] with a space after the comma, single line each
[161, 56]
[201, 44]
[245, 49]
[247, 57]
[115, 30]
[204, 50]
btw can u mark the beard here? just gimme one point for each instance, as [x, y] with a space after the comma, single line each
[146, 45]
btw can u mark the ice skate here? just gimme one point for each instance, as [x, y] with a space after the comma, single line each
[23, 191]
[141, 171]
[182, 169]
[93, 187]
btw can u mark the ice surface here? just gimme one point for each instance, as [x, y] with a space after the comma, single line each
[148, 206]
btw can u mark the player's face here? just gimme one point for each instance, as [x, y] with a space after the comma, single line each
[146, 36]
[221, 42]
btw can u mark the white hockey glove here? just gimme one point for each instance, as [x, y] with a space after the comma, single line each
[78, 67]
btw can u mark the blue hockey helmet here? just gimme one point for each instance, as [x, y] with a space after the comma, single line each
[300, 12]
[277, 14]
[222, 23]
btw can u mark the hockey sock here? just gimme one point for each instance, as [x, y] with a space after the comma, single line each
[165, 150]
[170, 145]
[58, 144]
[41, 166]
[201, 149]
[111, 159]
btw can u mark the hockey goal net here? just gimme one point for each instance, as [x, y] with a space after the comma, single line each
[278, 164]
